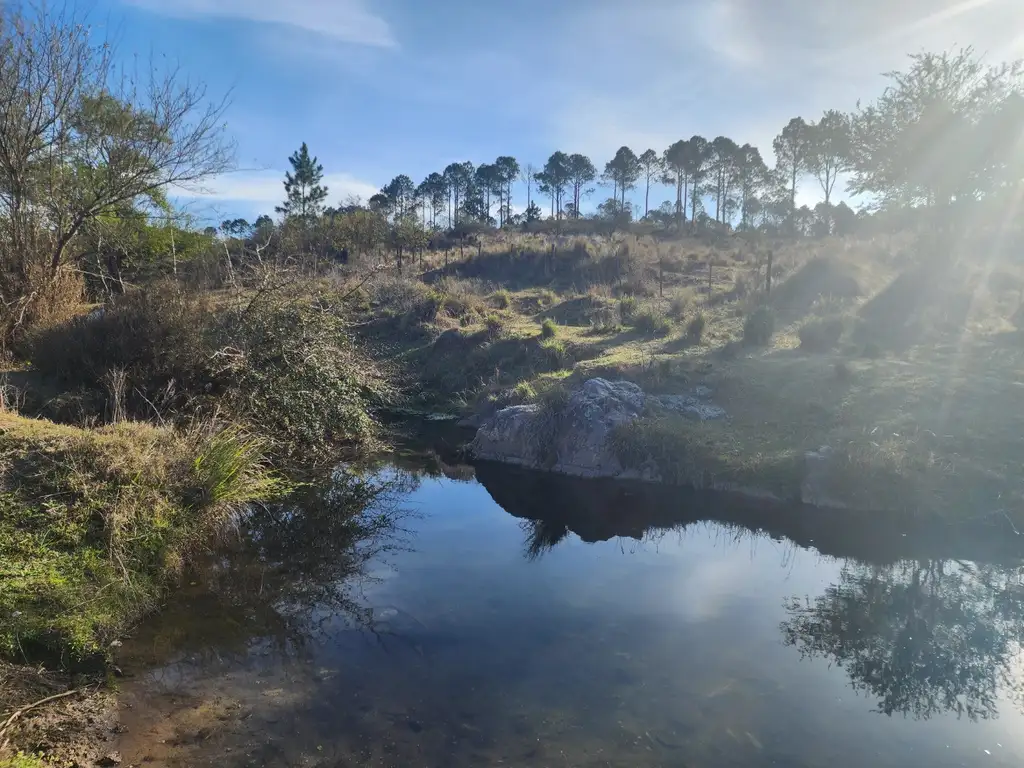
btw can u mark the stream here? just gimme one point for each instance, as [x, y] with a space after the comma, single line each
[426, 613]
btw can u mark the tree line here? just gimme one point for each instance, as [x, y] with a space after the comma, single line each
[945, 131]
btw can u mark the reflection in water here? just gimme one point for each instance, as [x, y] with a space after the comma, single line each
[924, 638]
[292, 565]
[511, 623]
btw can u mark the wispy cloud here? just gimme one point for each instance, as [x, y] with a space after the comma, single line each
[267, 187]
[744, 67]
[349, 21]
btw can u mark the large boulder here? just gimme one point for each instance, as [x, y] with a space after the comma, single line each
[574, 439]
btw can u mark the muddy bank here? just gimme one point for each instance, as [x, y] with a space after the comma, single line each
[71, 719]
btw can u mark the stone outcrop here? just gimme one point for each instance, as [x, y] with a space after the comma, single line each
[576, 439]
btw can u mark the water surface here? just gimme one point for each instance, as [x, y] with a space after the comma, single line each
[519, 619]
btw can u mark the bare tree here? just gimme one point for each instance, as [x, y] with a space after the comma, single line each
[79, 138]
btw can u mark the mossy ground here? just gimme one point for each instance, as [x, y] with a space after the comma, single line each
[94, 523]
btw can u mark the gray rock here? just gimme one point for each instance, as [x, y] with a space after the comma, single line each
[581, 438]
[815, 488]
[576, 440]
[506, 436]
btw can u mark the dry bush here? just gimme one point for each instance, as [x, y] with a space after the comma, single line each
[282, 364]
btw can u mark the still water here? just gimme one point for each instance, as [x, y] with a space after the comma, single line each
[523, 620]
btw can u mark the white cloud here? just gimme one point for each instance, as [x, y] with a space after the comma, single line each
[349, 21]
[743, 68]
[267, 187]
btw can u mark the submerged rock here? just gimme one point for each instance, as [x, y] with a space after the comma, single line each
[575, 439]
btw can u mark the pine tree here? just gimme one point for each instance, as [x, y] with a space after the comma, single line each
[305, 194]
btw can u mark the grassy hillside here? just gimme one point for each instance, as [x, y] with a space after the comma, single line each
[908, 364]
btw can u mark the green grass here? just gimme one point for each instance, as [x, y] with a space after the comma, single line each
[94, 524]
[23, 760]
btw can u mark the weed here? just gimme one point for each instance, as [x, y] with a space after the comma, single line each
[652, 322]
[680, 304]
[548, 329]
[496, 325]
[547, 298]
[759, 327]
[695, 328]
[501, 299]
[605, 320]
[628, 306]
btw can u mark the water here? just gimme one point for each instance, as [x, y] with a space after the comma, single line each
[525, 620]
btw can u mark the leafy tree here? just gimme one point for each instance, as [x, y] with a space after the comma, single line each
[623, 171]
[651, 165]
[508, 172]
[436, 190]
[581, 172]
[919, 143]
[830, 150]
[553, 179]
[792, 154]
[674, 162]
[236, 227]
[459, 177]
[79, 140]
[724, 166]
[305, 194]
[262, 223]
[489, 180]
[696, 160]
[532, 213]
[401, 195]
[752, 176]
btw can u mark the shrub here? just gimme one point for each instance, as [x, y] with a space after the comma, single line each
[759, 327]
[547, 297]
[821, 335]
[652, 322]
[695, 328]
[501, 299]
[548, 329]
[679, 305]
[628, 306]
[283, 365]
[495, 325]
[605, 320]
[556, 354]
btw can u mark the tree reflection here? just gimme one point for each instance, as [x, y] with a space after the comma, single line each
[542, 536]
[925, 638]
[291, 568]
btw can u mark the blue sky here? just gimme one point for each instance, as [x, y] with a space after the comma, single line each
[382, 87]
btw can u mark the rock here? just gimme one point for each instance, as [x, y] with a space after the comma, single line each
[815, 488]
[575, 440]
[505, 436]
[593, 412]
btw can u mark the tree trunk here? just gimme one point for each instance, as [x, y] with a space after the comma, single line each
[647, 198]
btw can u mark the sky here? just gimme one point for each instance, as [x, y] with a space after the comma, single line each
[382, 87]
